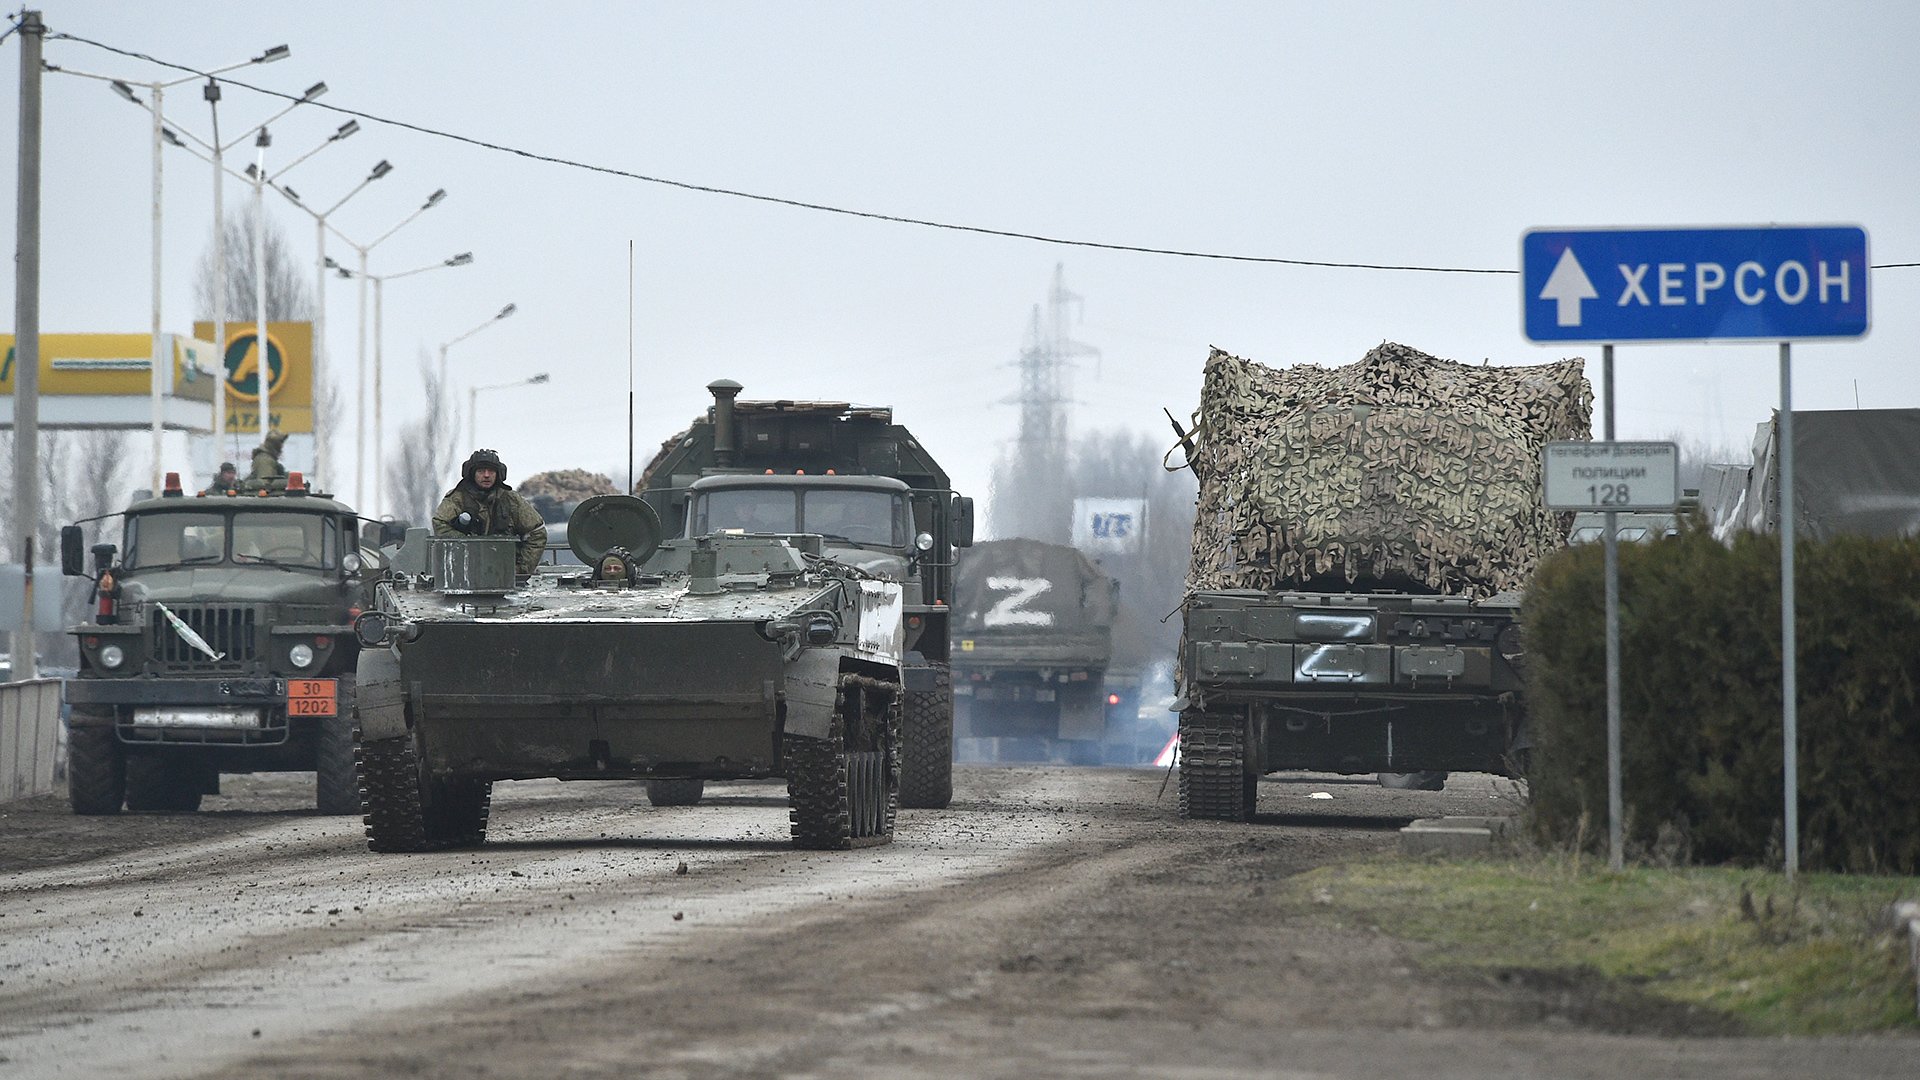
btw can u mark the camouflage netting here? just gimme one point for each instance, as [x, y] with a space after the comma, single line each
[566, 485]
[1402, 471]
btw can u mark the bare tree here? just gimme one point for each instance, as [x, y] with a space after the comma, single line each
[422, 470]
[82, 477]
[289, 292]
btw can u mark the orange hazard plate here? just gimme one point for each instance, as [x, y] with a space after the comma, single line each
[311, 697]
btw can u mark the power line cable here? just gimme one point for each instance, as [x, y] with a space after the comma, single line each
[801, 204]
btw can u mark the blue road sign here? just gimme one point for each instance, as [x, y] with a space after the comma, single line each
[1756, 284]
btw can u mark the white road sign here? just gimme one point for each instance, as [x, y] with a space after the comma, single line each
[1619, 476]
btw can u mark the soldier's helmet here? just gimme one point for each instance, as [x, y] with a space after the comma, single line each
[274, 441]
[490, 459]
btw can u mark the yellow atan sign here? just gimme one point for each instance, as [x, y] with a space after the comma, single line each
[289, 362]
[85, 365]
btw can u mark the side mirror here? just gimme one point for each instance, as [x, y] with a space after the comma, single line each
[73, 551]
[961, 517]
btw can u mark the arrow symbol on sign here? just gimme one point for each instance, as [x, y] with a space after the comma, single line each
[1568, 285]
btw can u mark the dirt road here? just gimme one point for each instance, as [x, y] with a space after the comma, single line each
[1055, 922]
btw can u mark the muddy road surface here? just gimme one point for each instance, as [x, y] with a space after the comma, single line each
[1054, 922]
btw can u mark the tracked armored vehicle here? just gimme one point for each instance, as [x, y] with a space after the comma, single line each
[732, 656]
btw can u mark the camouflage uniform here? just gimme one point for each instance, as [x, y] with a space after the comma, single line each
[267, 470]
[498, 511]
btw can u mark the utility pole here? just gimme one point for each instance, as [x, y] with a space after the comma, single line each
[26, 325]
[1042, 454]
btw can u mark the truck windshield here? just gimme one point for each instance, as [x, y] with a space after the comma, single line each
[257, 536]
[867, 517]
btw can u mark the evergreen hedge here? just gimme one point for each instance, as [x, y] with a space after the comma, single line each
[1701, 718]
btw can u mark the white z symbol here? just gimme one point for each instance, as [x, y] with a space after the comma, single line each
[1009, 612]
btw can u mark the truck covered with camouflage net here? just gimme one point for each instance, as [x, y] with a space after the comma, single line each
[877, 499]
[1361, 537]
[728, 657]
[220, 642]
[1033, 632]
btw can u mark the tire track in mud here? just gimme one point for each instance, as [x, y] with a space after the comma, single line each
[170, 962]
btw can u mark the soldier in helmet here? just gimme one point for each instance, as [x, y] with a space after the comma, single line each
[482, 504]
[267, 470]
[227, 479]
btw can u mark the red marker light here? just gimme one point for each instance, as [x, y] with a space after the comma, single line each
[1113, 699]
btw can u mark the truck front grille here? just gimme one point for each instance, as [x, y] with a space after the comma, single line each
[230, 630]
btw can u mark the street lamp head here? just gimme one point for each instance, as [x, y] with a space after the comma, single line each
[211, 91]
[252, 170]
[291, 194]
[380, 169]
[278, 52]
[345, 130]
[435, 198]
[167, 134]
[540, 378]
[461, 259]
[331, 265]
[265, 138]
[506, 311]
[313, 91]
[341, 270]
[126, 91]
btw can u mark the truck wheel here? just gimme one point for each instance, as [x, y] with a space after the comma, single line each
[335, 788]
[96, 770]
[1215, 780]
[676, 791]
[926, 750]
[388, 772]
[842, 796]
[167, 784]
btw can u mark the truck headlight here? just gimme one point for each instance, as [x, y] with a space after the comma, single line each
[301, 655]
[112, 656]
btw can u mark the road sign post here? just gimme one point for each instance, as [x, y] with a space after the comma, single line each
[1741, 284]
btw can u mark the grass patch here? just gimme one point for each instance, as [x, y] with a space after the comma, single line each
[1815, 957]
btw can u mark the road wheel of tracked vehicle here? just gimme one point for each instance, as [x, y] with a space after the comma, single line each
[1414, 781]
[926, 780]
[96, 770]
[676, 791]
[335, 788]
[1215, 779]
[164, 784]
[843, 791]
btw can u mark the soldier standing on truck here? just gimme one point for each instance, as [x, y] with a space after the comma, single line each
[266, 461]
[482, 504]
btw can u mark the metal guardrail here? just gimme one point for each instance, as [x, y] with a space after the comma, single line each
[32, 747]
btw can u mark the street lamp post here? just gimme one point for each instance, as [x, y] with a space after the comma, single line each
[473, 402]
[158, 89]
[379, 281]
[320, 264]
[360, 407]
[504, 312]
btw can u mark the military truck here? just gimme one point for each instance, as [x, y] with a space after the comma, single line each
[1361, 539]
[728, 657]
[221, 641]
[1854, 473]
[1033, 623]
[877, 498]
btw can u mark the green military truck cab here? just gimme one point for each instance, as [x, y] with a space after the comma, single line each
[880, 499]
[221, 640]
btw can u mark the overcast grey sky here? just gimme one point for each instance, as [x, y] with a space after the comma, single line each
[1417, 133]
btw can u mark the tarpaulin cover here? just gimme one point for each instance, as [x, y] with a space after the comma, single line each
[1401, 471]
[1855, 471]
[1028, 587]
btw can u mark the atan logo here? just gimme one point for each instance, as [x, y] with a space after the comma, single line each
[243, 365]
